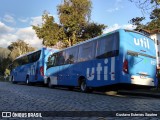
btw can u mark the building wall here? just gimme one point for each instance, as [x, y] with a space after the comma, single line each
[156, 37]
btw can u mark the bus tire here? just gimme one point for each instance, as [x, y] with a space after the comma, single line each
[12, 79]
[83, 86]
[49, 83]
[27, 80]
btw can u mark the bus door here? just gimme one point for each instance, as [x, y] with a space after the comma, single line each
[52, 69]
[61, 67]
[141, 68]
[21, 73]
[15, 74]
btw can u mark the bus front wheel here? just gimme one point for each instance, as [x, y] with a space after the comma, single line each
[49, 83]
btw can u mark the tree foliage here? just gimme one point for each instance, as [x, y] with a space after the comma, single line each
[50, 32]
[18, 48]
[74, 14]
[7, 55]
[138, 22]
[155, 20]
[92, 30]
[152, 25]
[4, 60]
[146, 5]
[4, 52]
[4, 65]
[74, 27]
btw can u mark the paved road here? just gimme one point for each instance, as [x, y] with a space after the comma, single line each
[15, 97]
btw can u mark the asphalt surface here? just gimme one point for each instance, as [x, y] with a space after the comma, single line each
[23, 98]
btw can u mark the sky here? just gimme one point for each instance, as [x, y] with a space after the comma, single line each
[18, 16]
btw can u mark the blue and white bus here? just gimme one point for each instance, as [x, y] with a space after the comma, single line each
[118, 57]
[30, 67]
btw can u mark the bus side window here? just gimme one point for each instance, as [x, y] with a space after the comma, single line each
[108, 46]
[71, 55]
[60, 58]
[86, 51]
[30, 59]
[34, 57]
[24, 60]
[70, 59]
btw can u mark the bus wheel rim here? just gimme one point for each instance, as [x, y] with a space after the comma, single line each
[50, 84]
[27, 81]
[12, 79]
[83, 86]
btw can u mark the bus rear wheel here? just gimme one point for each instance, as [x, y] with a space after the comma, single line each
[27, 80]
[83, 86]
[14, 82]
[49, 83]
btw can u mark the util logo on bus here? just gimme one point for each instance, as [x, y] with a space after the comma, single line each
[102, 71]
[143, 42]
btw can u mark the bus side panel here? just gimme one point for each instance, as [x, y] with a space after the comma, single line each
[98, 72]
[14, 74]
[102, 73]
[66, 75]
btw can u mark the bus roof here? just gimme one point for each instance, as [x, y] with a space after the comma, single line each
[89, 40]
[84, 41]
[103, 36]
[34, 52]
[137, 32]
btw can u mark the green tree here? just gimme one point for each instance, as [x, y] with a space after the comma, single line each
[91, 30]
[137, 21]
[50, 32]
[74, 25]
[4, 60]
[152, 25]
[4, 52]
[18, 48]
[73, 15]
[155, 20]
[4, 66]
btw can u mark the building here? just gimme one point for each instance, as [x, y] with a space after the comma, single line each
[155, 35]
